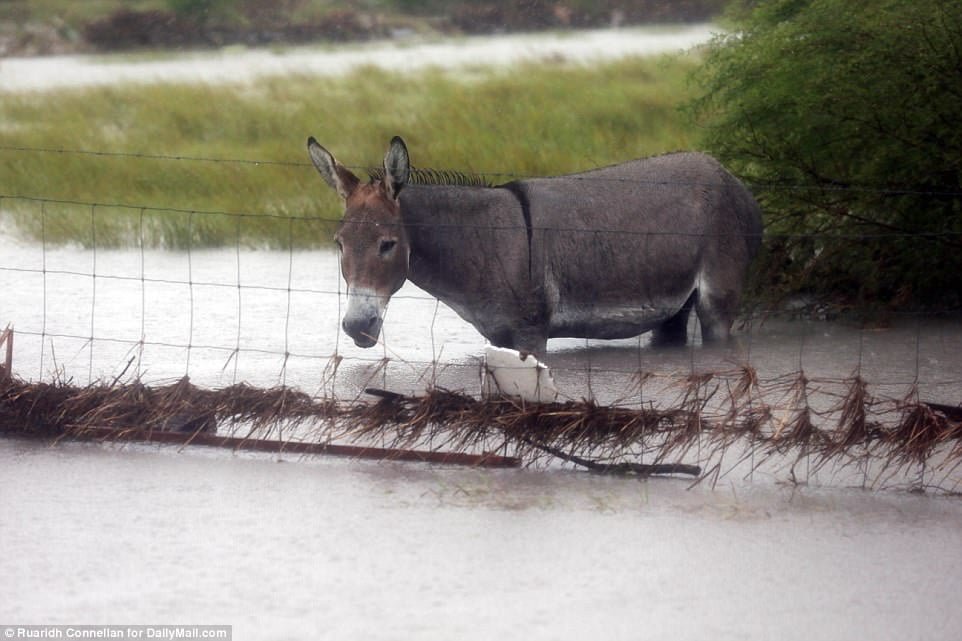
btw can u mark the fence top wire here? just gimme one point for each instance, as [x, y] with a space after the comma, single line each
[463, 225]
[508, 176]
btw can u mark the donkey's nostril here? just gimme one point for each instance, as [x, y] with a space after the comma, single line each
[362, 327]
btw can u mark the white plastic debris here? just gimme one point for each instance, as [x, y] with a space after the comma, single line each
[508, 372]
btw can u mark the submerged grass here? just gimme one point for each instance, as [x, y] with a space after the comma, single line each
[530, 120]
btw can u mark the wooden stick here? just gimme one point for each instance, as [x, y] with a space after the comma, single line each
[6, 336]
[952, 412]
[641, 469]
[293, 447]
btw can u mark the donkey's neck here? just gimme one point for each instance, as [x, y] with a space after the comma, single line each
[456, 233]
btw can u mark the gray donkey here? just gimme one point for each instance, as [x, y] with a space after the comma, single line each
[608, 253]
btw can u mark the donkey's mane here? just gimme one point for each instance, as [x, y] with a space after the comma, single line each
[437, 177]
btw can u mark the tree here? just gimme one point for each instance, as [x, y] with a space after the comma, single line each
[846, 119]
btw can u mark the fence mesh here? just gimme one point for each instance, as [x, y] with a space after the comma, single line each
[245, 342]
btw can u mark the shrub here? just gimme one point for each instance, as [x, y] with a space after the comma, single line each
[125, 29]
[847, 119]
[198, 11]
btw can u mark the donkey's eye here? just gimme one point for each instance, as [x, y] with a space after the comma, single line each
[387, 246]
[337, 243]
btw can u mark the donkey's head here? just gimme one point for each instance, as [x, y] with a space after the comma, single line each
[371, 239]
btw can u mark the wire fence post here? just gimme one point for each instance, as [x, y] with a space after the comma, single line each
[6, 342]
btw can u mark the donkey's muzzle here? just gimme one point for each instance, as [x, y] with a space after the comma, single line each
[363, 330]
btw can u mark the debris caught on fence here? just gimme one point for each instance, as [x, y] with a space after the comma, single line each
[185, 414]
[715, 414]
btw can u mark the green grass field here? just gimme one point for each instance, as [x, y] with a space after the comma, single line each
[535, 120]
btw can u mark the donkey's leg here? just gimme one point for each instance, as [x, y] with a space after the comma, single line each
[529, 341]
[716, 312]
[674, 331]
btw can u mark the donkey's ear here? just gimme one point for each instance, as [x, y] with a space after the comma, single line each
[334, 173]
[397, 167]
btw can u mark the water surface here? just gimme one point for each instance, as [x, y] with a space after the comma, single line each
[239, 65]
[350, 549]
[293, 548]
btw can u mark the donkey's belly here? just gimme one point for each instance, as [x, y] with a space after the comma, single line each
[611, 320]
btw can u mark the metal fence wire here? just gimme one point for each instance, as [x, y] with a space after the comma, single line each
[245, 343]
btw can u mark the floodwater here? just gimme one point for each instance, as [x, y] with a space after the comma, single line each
[239, 65]
[223, 316]
[338, 549]
[285, 547]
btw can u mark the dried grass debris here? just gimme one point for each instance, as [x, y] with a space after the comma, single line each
[710, 415]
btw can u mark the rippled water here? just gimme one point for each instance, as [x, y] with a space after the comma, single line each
[341, 549]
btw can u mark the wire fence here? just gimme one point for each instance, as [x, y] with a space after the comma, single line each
[794, 386]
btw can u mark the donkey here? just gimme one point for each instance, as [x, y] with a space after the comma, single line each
[608, 253]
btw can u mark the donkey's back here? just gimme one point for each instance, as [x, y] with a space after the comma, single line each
[634, 247]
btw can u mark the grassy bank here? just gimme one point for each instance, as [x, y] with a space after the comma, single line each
[535, 120]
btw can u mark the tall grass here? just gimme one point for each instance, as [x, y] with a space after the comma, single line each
[530, 120]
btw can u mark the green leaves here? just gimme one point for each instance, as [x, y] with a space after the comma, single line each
[847, 119]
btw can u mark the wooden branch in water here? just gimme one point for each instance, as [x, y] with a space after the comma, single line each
[952, 412]
[641, 469]
[293, 447]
